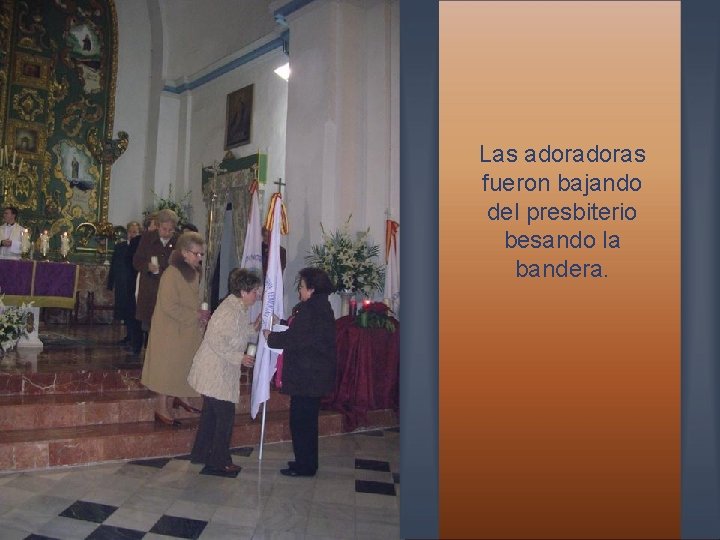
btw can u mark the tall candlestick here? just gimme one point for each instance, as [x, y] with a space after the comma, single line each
[21, 164]
[44, 243]
[24, 239]
[64, 244]
[13, 161]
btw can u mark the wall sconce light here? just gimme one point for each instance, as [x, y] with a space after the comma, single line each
[283, 71]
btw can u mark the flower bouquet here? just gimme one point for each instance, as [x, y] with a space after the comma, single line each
[13, 325]
[376, 315]
[349, 263]
[176, 205]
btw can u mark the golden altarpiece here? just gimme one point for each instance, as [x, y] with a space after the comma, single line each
[58, 65]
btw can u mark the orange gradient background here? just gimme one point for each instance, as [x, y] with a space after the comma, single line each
[559, 398]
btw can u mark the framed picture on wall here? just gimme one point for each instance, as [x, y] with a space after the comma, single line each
[27, 139]
[239, 117]
[32, 70]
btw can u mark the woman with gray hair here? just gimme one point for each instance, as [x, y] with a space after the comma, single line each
[215, 372]
[176, 329]
[150, 260]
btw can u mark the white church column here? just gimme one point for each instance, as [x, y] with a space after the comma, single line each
[340, 117]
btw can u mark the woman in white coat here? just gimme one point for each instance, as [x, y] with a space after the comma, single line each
[215, 372]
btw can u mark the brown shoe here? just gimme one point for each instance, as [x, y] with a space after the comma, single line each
[167, 421]
[177, 402]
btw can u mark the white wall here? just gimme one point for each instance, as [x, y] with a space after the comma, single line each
[342, 121]
[132, 110]
[192, 129]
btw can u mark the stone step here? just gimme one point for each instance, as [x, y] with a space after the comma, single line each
[58, 447]
[45, 411]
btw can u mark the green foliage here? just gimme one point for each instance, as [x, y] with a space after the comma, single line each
[177, 206]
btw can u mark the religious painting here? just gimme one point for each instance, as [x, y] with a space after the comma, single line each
[83, 40]
[32, 70]
[76, 166]
[84, 43]
[239, 117]
[27, 139]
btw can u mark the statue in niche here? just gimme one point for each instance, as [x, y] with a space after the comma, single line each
[75, 168]
[87, 44]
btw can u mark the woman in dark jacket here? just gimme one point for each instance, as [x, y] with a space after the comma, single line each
[308, 366]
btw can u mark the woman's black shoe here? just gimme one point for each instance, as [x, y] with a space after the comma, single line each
[294, 472]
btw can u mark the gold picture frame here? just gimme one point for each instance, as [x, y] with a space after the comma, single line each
[32, 70]
[27, 139]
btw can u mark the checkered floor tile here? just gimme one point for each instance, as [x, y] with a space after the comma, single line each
[355, 494]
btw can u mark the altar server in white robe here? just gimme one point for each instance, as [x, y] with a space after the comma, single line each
[10, 234]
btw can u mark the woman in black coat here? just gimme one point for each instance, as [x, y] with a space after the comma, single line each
[121, 279]
[309, 362]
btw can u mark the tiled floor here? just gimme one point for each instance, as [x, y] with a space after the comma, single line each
[354, 496]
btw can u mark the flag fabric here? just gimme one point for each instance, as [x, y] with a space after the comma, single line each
[252, 252]
[392, 268]
[266, 359]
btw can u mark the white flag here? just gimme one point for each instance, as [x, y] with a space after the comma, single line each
[252, 252]
[265, 359]
[392, 270]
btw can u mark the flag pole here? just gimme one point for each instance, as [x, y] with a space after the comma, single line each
[262, 432]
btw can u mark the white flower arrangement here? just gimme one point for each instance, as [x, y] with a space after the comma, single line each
[13, 324]
[349, 263]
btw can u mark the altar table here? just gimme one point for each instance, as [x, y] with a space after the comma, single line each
[45, 283]
[368, 369]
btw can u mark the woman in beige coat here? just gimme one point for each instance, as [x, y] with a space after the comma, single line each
[215, 372]
[176, 329]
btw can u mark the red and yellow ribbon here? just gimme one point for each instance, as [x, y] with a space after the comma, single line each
[284, 226]
[391, 229]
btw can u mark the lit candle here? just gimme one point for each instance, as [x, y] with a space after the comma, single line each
[44, 243]
[353, 307]
[25, 238]
[21, 164]
[64, 244]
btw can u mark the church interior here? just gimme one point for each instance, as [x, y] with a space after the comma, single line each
[114, 109]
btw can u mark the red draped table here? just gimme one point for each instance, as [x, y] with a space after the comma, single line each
[368, 369]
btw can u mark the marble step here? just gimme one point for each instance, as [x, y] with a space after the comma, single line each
[78, 381]
[59, 447]
[45, 411]
[45, 448]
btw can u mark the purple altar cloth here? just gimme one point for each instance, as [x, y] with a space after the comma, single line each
[55, 279]
[46, 284]
[16, 277]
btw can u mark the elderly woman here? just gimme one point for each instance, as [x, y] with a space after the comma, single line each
[308, 366]
[215, 372]
[150, 260]
[176, 329]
